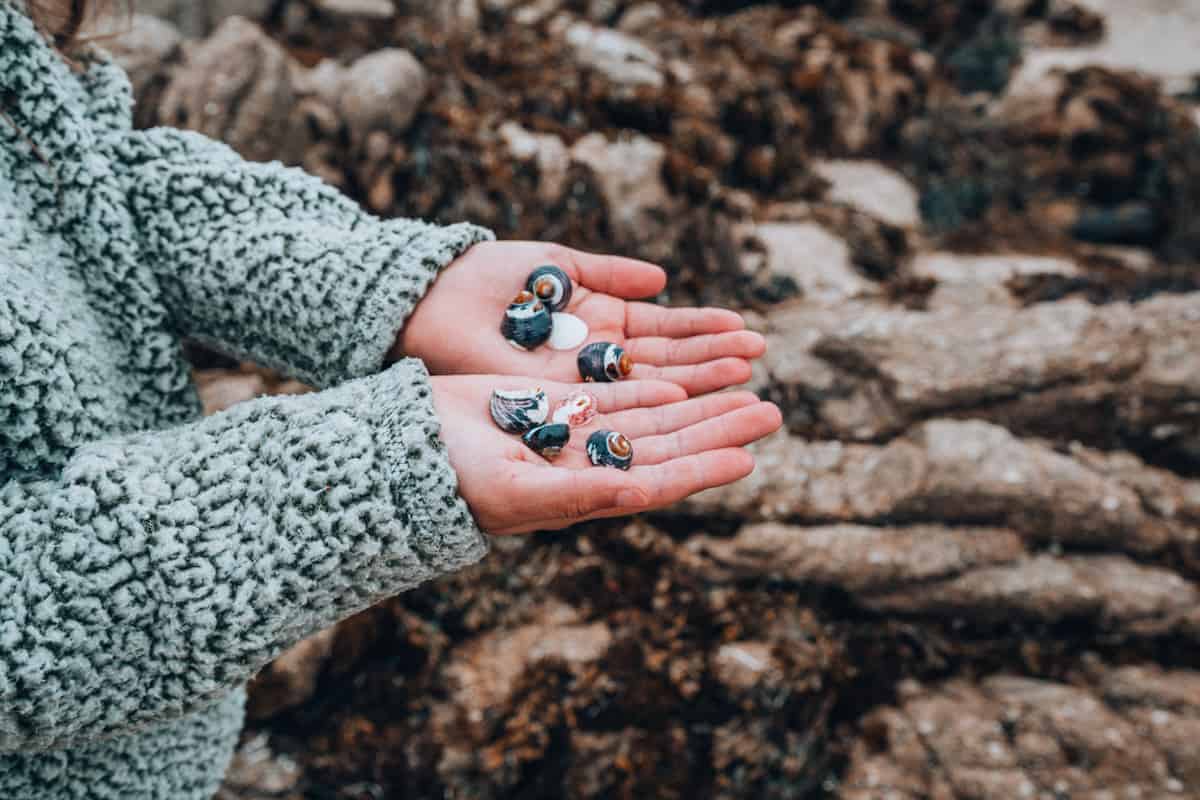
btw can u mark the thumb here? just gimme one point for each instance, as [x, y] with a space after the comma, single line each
[561, 497]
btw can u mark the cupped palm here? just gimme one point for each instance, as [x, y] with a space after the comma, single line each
[681, 446]
[455, 329]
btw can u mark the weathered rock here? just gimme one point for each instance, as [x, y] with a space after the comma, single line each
[808, 255]
[382, 92]
[236, 86]
[546, 151]
[974, 281]
[258, 773]
[1111, 374]
[367, 9]
[640, 17]
[873, 188]
[1013, 737]
[629, 172]
[290, 679]
[196, 19]
[489, 667]
[1169, 24]
[952, 472]
[623, 59]
[741, 666]
[859, 558]
[1059, 162]
[445, 17]
[145, 49]
[1110, 592]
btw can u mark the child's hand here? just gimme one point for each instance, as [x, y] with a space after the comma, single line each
[679, 447]
[455, 329]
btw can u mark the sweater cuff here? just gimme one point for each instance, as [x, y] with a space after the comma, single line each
[423, 483]
[401, 284]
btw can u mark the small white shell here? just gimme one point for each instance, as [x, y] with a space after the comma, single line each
[569, 331]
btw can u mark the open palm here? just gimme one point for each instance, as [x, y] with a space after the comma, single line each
[455, 329]
[680, 447]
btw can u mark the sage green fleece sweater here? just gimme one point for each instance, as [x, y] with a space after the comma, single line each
[150, 560]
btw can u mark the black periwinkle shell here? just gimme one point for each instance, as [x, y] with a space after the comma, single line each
[604, 362]
[610, 449]
[527, 322]
[547, 440]
[551, 285]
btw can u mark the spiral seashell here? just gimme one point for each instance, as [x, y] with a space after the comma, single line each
[547, 440]
[604, 362]
[550, 285]
[519, 410]
[576, 410]
[527, 322]
[610, 449]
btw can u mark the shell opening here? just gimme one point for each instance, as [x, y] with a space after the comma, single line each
[619, 445]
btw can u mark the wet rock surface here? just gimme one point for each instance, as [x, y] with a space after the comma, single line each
[969, 568]
[1010, 736]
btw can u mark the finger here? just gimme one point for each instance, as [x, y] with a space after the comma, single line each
[698, 379]
[613, 397]
[566, 496]
[610, 397]
[639, 422]
[732, 429]
[661, 351]
[647, 319]
[617, 276]
[665, 484]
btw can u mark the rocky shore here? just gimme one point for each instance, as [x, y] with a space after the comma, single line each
[969, 568]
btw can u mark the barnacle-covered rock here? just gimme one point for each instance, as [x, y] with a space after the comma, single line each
[604, 362]
[527, 322]
[548, 440]
[519, 410]
[610, 449]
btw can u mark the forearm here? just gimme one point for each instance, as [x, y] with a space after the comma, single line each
[268, 263]
[162, 569]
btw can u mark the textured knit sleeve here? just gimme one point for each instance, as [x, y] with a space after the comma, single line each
[269, 263]
[159, 570]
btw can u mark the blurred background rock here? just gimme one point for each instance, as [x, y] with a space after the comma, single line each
[969, 568]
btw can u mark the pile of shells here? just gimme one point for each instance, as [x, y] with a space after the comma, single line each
[524, 413]
[534, 317]
[537, 315]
